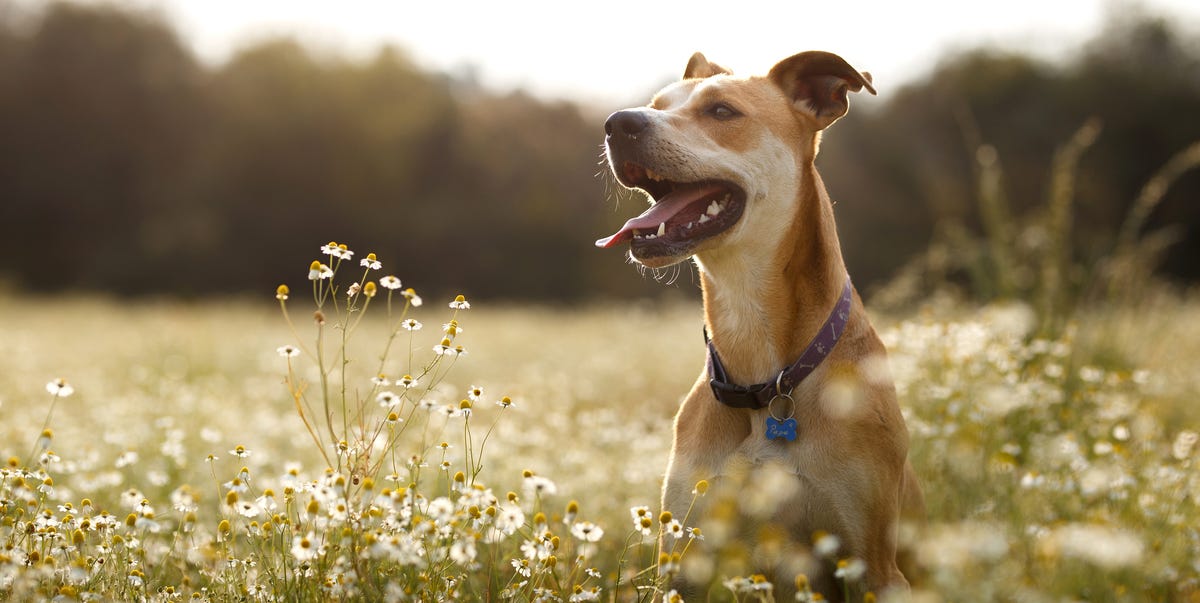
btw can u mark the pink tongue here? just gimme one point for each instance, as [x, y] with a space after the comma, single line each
[658, 213]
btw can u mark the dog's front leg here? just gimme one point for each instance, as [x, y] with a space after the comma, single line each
[870, 512]
[679, 487]
[706, 435]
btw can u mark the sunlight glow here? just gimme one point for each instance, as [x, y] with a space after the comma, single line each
[620, 50]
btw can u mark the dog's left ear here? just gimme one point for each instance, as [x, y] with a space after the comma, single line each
[701, 67]
[818, 83]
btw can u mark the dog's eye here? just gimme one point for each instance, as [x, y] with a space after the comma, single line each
[722, 111]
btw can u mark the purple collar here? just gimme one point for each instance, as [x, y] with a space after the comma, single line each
[759, 396]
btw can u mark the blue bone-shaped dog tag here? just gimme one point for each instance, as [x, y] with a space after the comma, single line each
[785, 429]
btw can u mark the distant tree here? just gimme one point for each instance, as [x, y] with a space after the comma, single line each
[912, 164]
[100, 123]
[1141, 77]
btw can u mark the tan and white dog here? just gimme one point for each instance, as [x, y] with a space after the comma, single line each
[728, 164]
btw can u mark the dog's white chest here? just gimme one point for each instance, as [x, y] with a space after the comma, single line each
[757, 451]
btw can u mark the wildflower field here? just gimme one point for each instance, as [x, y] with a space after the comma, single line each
[338, 441]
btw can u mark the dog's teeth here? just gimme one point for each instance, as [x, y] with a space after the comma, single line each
[713, 209]
[662, 228]
[651, 174]
[704, 218]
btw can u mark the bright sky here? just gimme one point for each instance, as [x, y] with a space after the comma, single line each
[618, 51]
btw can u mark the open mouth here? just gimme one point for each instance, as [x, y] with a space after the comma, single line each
[683, 213]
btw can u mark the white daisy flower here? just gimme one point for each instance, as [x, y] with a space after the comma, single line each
[370, 262]
[59, 388]
[587, 531]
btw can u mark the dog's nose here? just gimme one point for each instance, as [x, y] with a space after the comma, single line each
[628, 122]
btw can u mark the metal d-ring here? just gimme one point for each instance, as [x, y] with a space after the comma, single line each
[779, 384]
[782, 396]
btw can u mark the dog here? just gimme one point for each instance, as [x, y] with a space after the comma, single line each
[796, 376]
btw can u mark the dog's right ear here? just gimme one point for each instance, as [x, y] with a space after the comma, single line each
[700, 67]
[818, 84]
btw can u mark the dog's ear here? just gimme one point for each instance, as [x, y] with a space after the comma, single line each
[818, 83]
[700, 67]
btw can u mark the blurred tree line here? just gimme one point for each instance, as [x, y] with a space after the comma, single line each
[127, 166]
[920, 168]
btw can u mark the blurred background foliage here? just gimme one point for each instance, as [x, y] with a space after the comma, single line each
[128, 166]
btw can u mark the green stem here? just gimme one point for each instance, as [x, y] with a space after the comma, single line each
[45, 425]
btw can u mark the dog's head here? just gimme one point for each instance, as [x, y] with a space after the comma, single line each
[720, 156]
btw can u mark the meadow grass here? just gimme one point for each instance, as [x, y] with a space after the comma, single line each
[178, 467]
